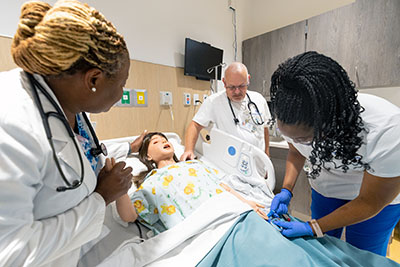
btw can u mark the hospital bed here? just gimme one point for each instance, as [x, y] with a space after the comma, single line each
[203, 232]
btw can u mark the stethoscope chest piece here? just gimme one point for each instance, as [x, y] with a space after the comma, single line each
[101, 149]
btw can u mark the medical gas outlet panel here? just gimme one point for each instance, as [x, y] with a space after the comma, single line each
[133, 98]
[187, 99]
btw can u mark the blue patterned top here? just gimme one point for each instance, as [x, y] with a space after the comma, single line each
[86, 142]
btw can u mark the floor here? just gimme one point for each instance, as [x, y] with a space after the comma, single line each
[394, 250]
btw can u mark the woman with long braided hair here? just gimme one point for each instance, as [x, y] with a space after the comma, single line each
[351, 143]
[53, 186]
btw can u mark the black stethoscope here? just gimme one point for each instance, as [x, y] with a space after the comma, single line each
[255, 116]
[99, 149]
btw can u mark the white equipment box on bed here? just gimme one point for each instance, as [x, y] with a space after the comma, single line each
[235, 156]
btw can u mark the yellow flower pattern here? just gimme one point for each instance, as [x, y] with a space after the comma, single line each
[140, 187]
[189, 189]
[192, 172]
[138, 205]
[173, 167]
[170, 194]
[216, 171]
[167, 180]
[168, 209]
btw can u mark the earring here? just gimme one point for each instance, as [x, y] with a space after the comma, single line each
[94, 89]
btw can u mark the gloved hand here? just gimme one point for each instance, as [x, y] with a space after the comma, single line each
[280, 203]
[295, 228]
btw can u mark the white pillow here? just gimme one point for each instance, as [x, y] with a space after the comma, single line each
[133, 160]
[137, 166]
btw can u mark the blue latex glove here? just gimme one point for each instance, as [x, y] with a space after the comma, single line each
[280, 203]
[295, 228]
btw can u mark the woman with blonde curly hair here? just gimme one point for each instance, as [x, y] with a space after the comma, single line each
[53, 186]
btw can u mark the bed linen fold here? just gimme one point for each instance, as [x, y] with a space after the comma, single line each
[186, 243]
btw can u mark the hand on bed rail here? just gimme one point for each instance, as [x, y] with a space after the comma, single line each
[258, 208]
[187, 155]
[114, 180]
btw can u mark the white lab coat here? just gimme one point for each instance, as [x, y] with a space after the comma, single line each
[38, 225]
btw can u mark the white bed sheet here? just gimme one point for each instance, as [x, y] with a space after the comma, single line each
[187, 242]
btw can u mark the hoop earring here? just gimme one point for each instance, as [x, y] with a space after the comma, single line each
[94, 89]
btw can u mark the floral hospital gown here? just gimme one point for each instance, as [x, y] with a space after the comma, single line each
[170, 194]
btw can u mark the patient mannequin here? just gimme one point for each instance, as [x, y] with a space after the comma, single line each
[170, 190]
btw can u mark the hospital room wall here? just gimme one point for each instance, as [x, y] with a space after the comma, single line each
[128, 121]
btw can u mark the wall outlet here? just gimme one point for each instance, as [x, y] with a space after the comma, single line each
[186, 99]
[196, 100]
[165, 98]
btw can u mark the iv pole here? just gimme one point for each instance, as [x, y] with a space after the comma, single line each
[215, 68]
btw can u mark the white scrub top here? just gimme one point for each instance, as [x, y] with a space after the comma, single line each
[216, 109]
[38, 225]
[380, 149]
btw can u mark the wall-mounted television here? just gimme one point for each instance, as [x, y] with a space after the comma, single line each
[199, 57]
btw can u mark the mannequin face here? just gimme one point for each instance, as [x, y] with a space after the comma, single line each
[160, 149]
[298, 133]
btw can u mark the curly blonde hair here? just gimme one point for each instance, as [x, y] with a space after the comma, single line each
[67, 37]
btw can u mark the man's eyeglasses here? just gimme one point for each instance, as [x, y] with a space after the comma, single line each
[240, 87]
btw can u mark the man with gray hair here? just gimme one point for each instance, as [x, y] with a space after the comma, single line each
[236, 111]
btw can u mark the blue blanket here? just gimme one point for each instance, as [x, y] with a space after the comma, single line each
[251, 241]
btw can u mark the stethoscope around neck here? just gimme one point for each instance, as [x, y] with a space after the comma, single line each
[99, 149]
[256, 118]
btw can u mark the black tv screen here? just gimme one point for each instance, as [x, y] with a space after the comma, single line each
[199, 57]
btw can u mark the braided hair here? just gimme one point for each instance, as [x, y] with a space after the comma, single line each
[66, 38]
[313, 90]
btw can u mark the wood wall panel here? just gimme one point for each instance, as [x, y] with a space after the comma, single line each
[6, 61]
[127, 121]
[123, 121]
